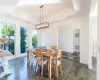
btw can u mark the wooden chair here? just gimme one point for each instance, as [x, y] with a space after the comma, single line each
[54, 48]
[31, 56]
[40, 60]
[57, 61]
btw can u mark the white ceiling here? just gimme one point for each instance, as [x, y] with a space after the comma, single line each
[7, 6]
[31, 13]
[49, 9]
[8, 2]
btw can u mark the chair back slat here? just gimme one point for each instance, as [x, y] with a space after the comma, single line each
[54, 48]
[39, 52]
[59, 53]
[31, 52]
[58, 56]
[58, 61]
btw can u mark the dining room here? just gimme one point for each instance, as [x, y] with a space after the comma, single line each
[47, 40]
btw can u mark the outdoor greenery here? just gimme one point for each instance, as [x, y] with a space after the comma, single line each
[8, 31]
[23, 42]
[34, 40]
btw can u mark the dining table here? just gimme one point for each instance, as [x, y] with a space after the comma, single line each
[48, 55]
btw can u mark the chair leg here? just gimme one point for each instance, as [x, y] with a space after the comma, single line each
[60, 68]
[56, 71]
[41, 70]
[33, 62]
[54, 67]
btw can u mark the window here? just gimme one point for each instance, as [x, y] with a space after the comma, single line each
[34, 39]
[23, 40]
[8, 30]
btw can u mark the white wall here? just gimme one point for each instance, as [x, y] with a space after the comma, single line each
[81, 23]
[84, 40]
[76, 40]
[65, 37]
[18, 23]
[48, 36]
[93, 25]
[72, 23]
[98, 40]
[92, 39]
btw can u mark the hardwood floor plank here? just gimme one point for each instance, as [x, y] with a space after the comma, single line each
[72, 70]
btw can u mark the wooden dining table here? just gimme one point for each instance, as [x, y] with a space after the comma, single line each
[49, 56]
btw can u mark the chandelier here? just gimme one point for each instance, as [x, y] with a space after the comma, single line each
[42, 24]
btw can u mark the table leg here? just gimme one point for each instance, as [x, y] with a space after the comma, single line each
[49, 67]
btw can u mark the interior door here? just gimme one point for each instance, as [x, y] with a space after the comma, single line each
[76, 41]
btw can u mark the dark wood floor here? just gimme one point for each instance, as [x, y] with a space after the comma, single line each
[72, 70]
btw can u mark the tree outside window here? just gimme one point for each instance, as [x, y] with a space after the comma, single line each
[23, 40]
[8, 31]
[34, 39]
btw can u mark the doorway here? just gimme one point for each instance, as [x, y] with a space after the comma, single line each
[69, 42]
[76, 44]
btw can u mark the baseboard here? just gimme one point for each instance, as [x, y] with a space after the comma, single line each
[21, 55]
[64, 52]
[70, 56]
[11, 57]
[14, 56]
[76, 52]
[90, 67]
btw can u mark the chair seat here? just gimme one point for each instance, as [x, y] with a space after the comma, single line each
[54, 51]
[40, 61]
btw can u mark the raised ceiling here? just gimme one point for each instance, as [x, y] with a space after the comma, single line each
[49, 9]
[31, 13]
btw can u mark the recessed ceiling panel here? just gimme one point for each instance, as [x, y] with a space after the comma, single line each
[36, 2]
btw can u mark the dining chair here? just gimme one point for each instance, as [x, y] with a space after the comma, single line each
[54, 48]
[57, 61]
[40, 60]
[32, 56]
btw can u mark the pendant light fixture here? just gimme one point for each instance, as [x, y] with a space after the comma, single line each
[42, 24]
